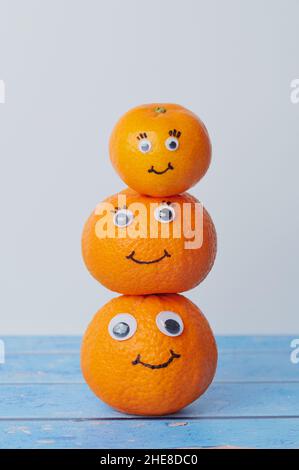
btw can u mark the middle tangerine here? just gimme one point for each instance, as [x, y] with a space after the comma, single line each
[148, 244]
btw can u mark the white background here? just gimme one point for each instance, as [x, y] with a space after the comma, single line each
[71, 68]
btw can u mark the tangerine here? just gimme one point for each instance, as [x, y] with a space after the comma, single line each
[152, 245]
[149, 355]
[160, 149]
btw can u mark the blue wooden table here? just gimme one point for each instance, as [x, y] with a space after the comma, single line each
[252, 403]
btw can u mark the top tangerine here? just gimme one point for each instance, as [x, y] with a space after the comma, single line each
[160, 149]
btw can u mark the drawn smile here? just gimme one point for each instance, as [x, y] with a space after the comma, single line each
[138, 261]
[152, 169]
[172, 357]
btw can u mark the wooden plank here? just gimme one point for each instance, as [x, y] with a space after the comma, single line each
[71, 344]
[236, 365]
[42, 344]
[155, 433]
[74, 401]
[248, 366]
[41, 368]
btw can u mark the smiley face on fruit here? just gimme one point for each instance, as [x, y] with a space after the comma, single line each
[160, 150]
[149, 355]
[152, 261]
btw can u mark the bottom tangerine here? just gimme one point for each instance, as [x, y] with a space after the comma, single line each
[149, 355]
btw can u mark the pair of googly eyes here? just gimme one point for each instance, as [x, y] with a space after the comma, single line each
[123, 326]
[171, 144]
[163, 213]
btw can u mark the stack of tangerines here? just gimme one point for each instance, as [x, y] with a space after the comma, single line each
[151, 351]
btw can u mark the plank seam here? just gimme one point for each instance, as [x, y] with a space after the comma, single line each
[220, 382]
[153, 419]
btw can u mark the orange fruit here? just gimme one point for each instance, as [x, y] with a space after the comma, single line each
[145, 264]
[160, 149]
[149, 355]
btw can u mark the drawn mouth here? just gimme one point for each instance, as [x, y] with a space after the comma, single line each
[152, 169]
[138, 261]
[173, 356]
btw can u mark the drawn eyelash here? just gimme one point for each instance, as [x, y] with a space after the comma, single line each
[175, 133]
[142, 135]
[116, 209]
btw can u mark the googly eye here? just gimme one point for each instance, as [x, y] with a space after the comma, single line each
[123, 218]
[172, 144]
[122, 326]
[144, 146]
[170, 323]
[164, 214]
